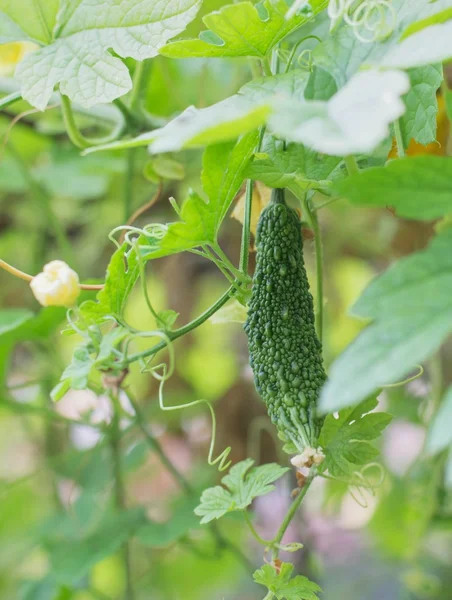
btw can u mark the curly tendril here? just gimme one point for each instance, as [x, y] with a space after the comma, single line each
[371, 20]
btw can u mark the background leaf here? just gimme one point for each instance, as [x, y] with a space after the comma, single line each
[418, 187]
[407, 328]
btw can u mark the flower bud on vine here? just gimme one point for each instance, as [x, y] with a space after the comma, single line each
[309, 457]
[57, 285]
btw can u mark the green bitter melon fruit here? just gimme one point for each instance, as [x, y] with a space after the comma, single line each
[285, 352]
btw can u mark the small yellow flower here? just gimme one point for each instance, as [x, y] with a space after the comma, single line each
[57, 285]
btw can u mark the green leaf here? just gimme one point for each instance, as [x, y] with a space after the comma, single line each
[79, 56]
[439, 435]
[347, 439]
[412, 312]
[122, 274]
[223, 173]
[78, 370]
[354, 120]
[419, 120]
[418, 187]
[284, 586]
[428, 46]
[242, 29]
[195, 128]
[293, 166]
[72, 560]
[28, 19]
[321, 85]
[243, 483]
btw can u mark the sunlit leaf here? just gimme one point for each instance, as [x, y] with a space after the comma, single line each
[242, 29]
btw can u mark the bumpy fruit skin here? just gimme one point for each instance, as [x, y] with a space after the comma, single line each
[285, 352]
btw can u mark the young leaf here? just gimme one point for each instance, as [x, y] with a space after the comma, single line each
[412, 312]
[242, 29]
[242, 485]
[347, 439]
[223, 174]
[293, 166]
[419, 120]
[122, 274]
[78, 370]
[78, 57]
[418, 187]
[284, 586]
[354, 120]
[195, 128]
[439, 435]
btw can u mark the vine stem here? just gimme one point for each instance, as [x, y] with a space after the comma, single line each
[351, 164]
[10, 99]
[319, 271]
[399, 139]
[74, 133]
[128, 183]
[120, 494]
[173, 335]
[291, 512]
[253, 531]
[313, 221]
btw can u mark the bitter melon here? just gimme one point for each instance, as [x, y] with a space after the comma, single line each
[285, 352]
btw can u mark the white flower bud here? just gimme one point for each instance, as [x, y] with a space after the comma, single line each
[309, 457]
[57, 285]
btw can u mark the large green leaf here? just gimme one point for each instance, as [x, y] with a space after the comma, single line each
[194, 127]
[412, 312]
[418, 187]
[223, 173]
[78, 56]
[293, 166]
[243, 29]
[355, 120]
